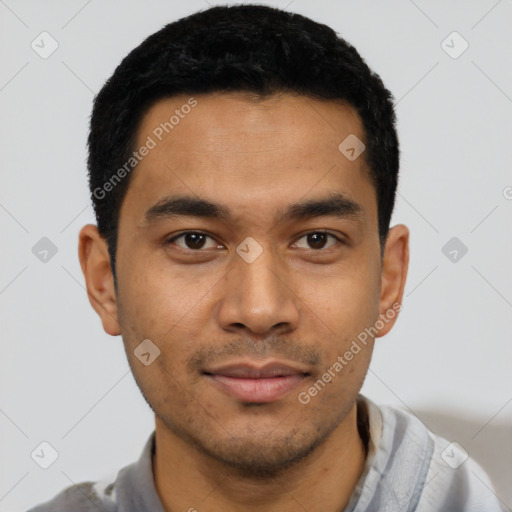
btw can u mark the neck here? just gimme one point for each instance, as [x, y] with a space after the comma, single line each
[187, 479]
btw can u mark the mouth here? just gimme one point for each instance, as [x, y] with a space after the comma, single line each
[251, 383]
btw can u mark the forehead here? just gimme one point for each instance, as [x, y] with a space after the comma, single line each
[248, 154]
[210, 125]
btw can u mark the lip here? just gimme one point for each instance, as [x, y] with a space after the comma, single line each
[253, 383]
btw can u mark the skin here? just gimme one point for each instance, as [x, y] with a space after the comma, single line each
[301, 301]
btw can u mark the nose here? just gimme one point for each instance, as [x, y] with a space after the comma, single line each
[258, 298]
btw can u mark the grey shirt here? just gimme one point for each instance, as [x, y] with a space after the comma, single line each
[408, 468]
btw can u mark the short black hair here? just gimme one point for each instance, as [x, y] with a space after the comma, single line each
[248, 48]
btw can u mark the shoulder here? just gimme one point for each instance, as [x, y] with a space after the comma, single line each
[456, 481]
[83, 497]
[130, 488]
[453, 480]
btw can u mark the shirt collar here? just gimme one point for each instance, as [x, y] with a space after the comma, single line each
[135, 483]
[136, 488]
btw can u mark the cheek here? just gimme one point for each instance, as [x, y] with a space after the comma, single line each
[172, 337]
[347, 301]
[157, 301]
[163, 386]
[169, 310]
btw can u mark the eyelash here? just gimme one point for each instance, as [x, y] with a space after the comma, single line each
[176, 237]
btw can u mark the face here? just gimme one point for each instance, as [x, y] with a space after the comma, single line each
[248, 253]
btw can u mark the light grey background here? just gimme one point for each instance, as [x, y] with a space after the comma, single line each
[448, 359]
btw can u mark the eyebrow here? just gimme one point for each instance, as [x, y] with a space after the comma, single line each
[334, 205]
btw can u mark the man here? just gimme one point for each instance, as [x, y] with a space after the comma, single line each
[243, 164]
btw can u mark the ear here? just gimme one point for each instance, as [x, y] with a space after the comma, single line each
[394, 274]
[95, 263]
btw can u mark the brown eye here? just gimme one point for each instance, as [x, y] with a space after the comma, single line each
[317, 240]
[193, 240]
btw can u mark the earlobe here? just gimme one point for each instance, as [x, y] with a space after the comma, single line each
[394, 275]
[95, 263]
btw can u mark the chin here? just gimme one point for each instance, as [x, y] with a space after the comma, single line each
[258, 456]
[261, 458]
